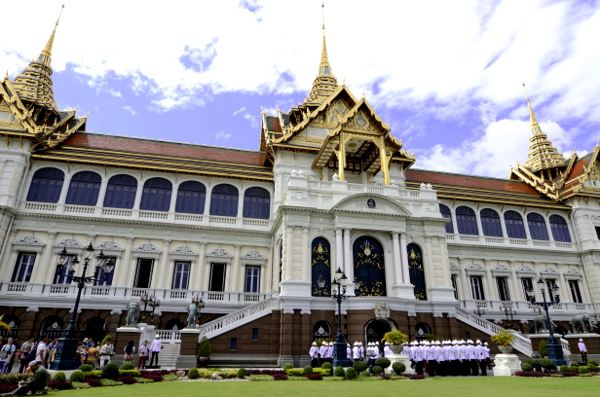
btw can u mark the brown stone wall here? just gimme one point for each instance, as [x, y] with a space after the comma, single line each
[268, 337]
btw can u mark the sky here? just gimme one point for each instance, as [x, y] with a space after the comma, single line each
[446, 75]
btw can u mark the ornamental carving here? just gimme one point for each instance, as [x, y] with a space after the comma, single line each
[549, 270]
[453, 266]
[382, 309]
[573, 272]
[526, 269]
[475, 266]
[108, 245]
[147, 248]
[29, 240]
[219, 252]
[183, 250]
[69, 242]
[501, 268]
[254, 255]
[336, 112]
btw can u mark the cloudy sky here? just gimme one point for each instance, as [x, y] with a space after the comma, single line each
[445, 74]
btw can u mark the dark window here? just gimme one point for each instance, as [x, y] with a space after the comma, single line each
[257, 203]
[143, 274]
[120, 191]
[320, 266]
[455, 285]
[551, 288]
[156, 195]
[560, 230]
[181, 275]
[217, 277]
[60, 276]
[537, 226]
[598, 232]
[254, 333]
[477, 288]
[466, 220]
[503, 293]
[252, 279]
[224, 200]
[527, 284]
[23, 267]
[575, 292]
[233, 344]
[46, 185]
[190, 198]
[446, 213]
[490, 222]
[107, 279]
[515, 227]
[84, 188]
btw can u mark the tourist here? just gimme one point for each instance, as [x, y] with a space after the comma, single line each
[144, 351]
[106, 352]
[36, 382]
[42, 350]
[92, 356]
[155, 348]
[7, 355]
[129, 351]
[582, 350]
[24, 352]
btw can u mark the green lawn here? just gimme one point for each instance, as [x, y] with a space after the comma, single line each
[480, 387]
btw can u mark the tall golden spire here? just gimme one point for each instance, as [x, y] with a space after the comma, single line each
[324, 67]
[46, 55]
[542, 155]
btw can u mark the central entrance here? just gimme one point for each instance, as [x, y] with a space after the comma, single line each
[376, 329]
[369, 267]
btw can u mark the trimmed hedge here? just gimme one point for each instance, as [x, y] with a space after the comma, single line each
[59, 385]
[242, 373]
[127, 380]
[86, 368]
[77, 376]
[127, 366]
[377, 369]
[351, 373]
[339, 371]
[59, 377]
[526, 367]
[398, 367]
[110, 371]
[193, 373]
[288, 366]
[92, 374]
[307, 370]
[383, 362]
[359, 366]
[129, 372]
[313, 376]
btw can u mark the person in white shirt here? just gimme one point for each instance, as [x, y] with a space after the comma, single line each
[361, 350]
[349, 352]
[330, 352]
[582, 350]
[314, 355]
[472, 357]
[440, 357]
[106, 352]
[480, 354]
[155, 348]
[387, 350]
[418, 357]
[355, 352]
[323, 352]
[42, 351]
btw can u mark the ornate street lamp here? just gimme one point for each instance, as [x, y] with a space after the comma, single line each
[197, 300]
[508, 311]
[66, 348]
[480, 311]
[153, 302]
[145, 298]
[555, 352]
[339, 285]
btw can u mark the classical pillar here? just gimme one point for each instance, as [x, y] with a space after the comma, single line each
[464, 280]
[397, 259]
[444, 261]
[339, 249]
[565, 293]
[200, 265]
[348, 263]
[526, 226]
[102, 193]
[430, 274]
[2, 165]
[126, 272]
[404, 258]
[235, 269]
[516, 294]
[45, 265]
[492, 291]
[549, 229]
[289, 253]
[305, 254]
[164, 265]
[478, 219]
[14, 178]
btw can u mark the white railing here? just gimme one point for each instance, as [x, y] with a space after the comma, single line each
[520, 342]
[79, 209]
[468, 238]
[319, 185]
[256, 222]
[178, 294]
[225, 220]
[59, 289]
[563, 245]
[100, 291]
[169, 336]
[116, 212]
[450, 237]
[16, 287]
[40, 206]
[494, 240]
[517, 241]
[565, 347]
[154, 215]
[215, 296]
[541, 243]
[189, 218]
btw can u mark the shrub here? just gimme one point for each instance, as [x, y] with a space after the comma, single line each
[350, 373]
[383, 362]
[575, 365]
[254, 378]
[365, 374]
[532, 374]
[144, 380]
[59, 377]
[583, 370]
[242, 373]
[203, 349]
[327, 366]
[110, 382]
[547, 364]
[542, 349]
[395, 337]
[59, 385]
[93, 382]
[13, 379]
[127, 366]
[526, 367]
[129, 372]
[86, 368]
[155, 376]
[377, 369]
[313, 376]
[127, 380]
[415, 377]
[339, 371]
[359, 366]
[93, 374]
[593, 362]
[288, 366]
[110, 371]
[503, 338]
[80, 385]
[280, 377]
[323, 371]
[307, 370]
[564, 368]
[398, 367]
[533, 362]
[171, 377]
[7, 387]
[193, 373]
[294, 371]
[77, 376]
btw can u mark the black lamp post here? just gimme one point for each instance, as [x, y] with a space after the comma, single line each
[508, 311]
[339, 283]
[480, 311]
[145, 298]
[66, 348]
[555, 352]
[153, 302]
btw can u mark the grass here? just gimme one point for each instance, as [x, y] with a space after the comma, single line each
[463, 387]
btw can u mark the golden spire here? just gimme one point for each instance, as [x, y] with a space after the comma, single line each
[324, 67]
[46, 55]
[534, 122]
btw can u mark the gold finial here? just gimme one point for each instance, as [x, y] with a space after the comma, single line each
[46, 55]
[534, 122]
[324, 67]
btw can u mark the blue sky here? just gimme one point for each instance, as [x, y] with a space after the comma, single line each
[445, 74]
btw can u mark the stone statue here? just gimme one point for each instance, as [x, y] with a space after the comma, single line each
[193, 313]
[540, 325]
[580, 321]
[133, 313]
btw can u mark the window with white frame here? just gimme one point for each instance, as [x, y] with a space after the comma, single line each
[23, 267]
[550, 285]
[454, 279]
[575, 292]
[252, 279]
[60, 276]
[527, 284]
[107, 278]
[217, 277]
[143, 274]
[477, 288]
[181, 275]
[503, 292]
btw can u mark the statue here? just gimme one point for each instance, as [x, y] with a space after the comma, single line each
[133, 313]
[193, 313]
[540, 324]
[580, 321]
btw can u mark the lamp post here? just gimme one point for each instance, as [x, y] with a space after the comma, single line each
[66, 348]
[153, 302]
[555, 352]
[339, 283]
[480, 309]
[508, 311]
[145, 299]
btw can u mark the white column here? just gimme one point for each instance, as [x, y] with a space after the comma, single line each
[339, 250]
[516, 294]
[173, 201]
[125, 269]
[526, 225]
[444, 261]
[102, 193]
[200, 265]
[14, 177]
[138, 194]
[65, 189]
[464, 280]
[397, 259]
[268, 278]
[236, 270]
[240, 210]
[10, 264]
[565, 293]
[45, 265]
[503, 225]
[348, 263]
[289, 253]
[404, 258]
[305, 254]
[478, 219]
[491, 281]
[430, 274]
[207, 199]
[547, 223]
[2, 165]
[164, 265]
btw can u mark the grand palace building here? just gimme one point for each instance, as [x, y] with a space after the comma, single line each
[251, 232]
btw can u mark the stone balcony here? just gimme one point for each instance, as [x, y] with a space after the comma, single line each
[509, 242]
[563, 311]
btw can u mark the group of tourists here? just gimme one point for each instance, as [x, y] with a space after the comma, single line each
[11, 351]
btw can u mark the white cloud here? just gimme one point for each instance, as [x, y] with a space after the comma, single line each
[114, 93]
[222, 135]
[130, 110]
[242, 109]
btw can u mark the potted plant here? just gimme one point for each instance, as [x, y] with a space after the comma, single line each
[395, 338]
[503, 339]
[203, 352]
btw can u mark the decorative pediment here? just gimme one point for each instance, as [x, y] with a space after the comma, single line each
[572, 272]
[549, 270]
[254, 254]
[29, 240]
[220, 253]
[454, 266]
[108, 246]
[382, 309]
[147, 247]
[183, 250]
[476, 267]
[501, 268]
[526, 269]
[69, 243]
[371, 204]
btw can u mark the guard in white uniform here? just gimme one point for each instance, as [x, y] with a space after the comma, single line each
[361, 350]
[330, 352]
[418, 358]
[472, 357]
[463, 356]
[387, 350]
[452, 363]
[440, 358]
[349, 352]
[487, 355]
[314, 355]
[480, 352]
[582, 350]
[405, 350]
[355, 352]
[430, 358]
[323, 352]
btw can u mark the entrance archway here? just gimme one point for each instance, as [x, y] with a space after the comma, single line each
[174, 324]
[94, 328]
[53, 326]
[369, 267]
[375, 330]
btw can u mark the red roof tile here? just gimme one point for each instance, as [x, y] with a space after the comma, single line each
[579, 167]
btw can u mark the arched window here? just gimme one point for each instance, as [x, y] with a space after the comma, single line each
[190, 198]
[120, 191]
[537, 226]
[560, 230]
[46, 185]
[84, 188]
[257, 203]
[156, 195]
[416, 271]
[320, 266]
[321, 330]
[369, 267]
[490, 222]
[515, 227]
[224, 200]
[466, 220]
[446, 213]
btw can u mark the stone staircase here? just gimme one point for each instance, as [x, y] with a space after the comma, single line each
[167, 358]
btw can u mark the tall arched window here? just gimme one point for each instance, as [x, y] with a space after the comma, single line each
[446, 213]
[515, 227]
[416, 271]
[84, 188]
[156, 195]
[224, 200]
[560, 230]
[257, 203]
[120, 191]
[46, 185]
[190, 198]
[490, 222]
[537, 226]
[466, 220]
[320, 266]
[369, 267]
